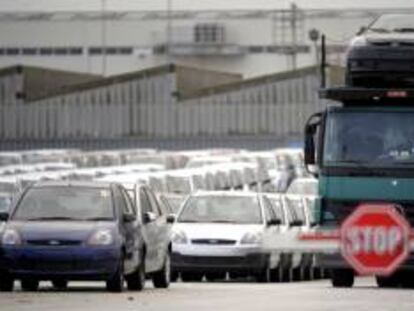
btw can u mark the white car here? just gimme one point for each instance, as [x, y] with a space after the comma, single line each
[303, 186]
[219, 232]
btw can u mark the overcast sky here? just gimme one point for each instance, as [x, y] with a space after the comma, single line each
[71, 5]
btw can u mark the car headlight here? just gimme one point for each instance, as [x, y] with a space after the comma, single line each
[252, 238]
[11, 238]
[179, 237]
[101, 237]
[359, 41]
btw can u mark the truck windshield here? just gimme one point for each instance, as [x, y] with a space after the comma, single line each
[378, 139]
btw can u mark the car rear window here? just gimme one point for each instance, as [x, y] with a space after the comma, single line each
[65, 203]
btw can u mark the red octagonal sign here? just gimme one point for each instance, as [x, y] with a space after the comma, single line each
[375, 239]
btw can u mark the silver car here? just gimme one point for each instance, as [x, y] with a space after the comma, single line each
[219, 232]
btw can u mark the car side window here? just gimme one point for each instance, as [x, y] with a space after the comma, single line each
[269, 214]
[129, 207]
[145, 204]
[278, 209]
[153, 203]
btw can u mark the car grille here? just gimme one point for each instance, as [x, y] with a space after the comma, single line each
[335, 212]
[213, 241]
[53, 242]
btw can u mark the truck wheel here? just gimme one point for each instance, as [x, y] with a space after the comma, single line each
[342, 278]
[6, 283]
[161, 279]
[136, 280]
[60, 284]
[30, 285]
[116, 282]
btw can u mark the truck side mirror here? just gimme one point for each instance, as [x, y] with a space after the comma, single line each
[311, 129]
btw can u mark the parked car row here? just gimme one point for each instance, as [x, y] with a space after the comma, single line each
[220, 232]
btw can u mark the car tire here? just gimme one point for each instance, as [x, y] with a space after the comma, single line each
[161, 279]
[116, 283]
[174, 276]
[342, 278]
[215, 276]
[6, 283]
[387, 282]
[191, 276]
[60, 284]
[136, 280]
[29, 285]
[264, 276]
[406, 279]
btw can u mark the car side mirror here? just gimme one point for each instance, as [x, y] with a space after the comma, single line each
[129, 218]
[170, 219]
[296, 223]
[361, 30]
[313, 223]
[4, 216]
[149, 217]
[274, 222]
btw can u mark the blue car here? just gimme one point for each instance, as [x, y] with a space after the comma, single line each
[62, 231]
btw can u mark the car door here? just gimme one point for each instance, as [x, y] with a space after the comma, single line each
[161, 230]
[129, 229]
[149, 229]
[271, 230]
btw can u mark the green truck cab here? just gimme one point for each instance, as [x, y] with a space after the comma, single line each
[361, 148]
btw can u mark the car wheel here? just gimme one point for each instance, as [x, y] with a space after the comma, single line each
[30, 285]
[214, 276]
[136, 280]
[191, 276]
[264, 276]
[161, 279]
[174, 276]
[406, 279]
[116, 282]
[6, 283]
[60, 284]
[342, 278]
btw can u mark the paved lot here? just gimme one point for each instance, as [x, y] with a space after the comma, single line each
[317, 295]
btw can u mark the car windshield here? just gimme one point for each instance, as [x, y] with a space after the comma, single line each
[65, 203]
[393, 23]
[220, 209]
[379, 138]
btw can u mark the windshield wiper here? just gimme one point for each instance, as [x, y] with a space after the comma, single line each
[379, 30]
[220, 221]
[52, 218]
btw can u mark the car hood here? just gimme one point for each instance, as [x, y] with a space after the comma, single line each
[216, 231]
[390, 37]
[58, 230]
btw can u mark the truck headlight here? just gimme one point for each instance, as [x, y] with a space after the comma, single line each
[179, 237]
[252, 238]
[11, 238]
[101, 237]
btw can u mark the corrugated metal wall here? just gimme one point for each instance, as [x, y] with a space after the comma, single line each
[146, 108]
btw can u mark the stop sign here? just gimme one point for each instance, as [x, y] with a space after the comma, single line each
[375, 239]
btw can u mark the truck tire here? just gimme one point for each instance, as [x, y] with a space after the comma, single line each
[161, 279]
[342, 278]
